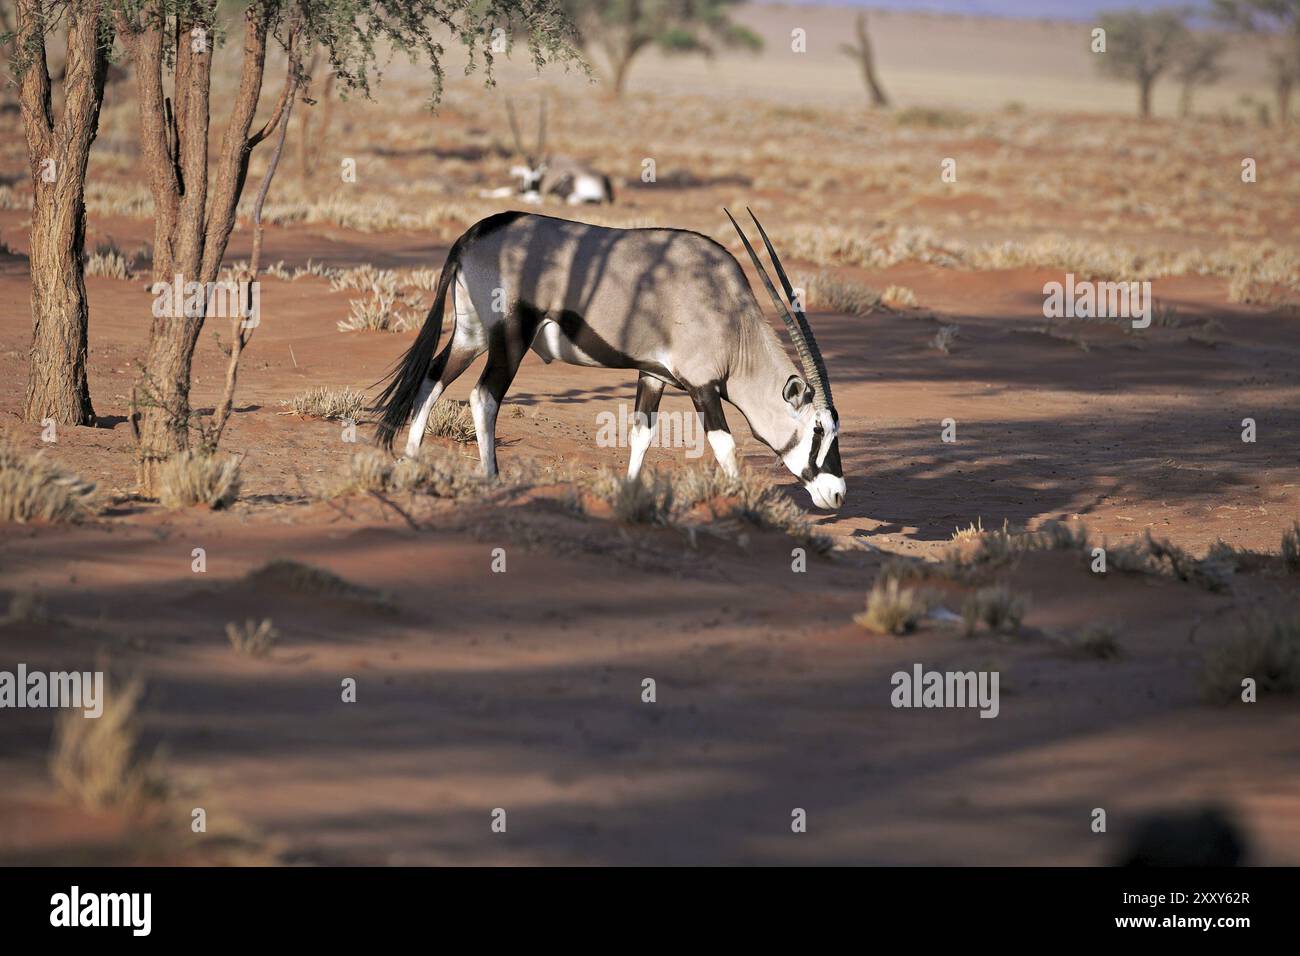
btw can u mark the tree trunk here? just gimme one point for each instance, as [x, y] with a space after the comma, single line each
[620, 50]
[868, 60]
[56, 380]
[621, 65]
[1185, 101]
[1284, 87]
[57, 153]
[194, 223]
[1145, 85]
[161, 401]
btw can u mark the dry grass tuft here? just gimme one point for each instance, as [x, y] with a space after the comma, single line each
[703, 497]
[1291, 549]
[451, 419]
[1268, 651]
[753, 499]
[899, 297]
[252, 639]
[909, 569]
[944, 338]
[383, 312]
[646, 499]
[826, 292]
[1099, 640]
[1245, 288]
[323, 402]
[434, 473]
[1154, 555]
[1165, 316]
[33, 489]
[1232, 559]
[976, 550]
[26, 607]
[998, 608]
[108, 261]
[891, 608]
[95, 760]
[192, 477]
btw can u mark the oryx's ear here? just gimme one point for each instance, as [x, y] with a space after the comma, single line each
[796, 392]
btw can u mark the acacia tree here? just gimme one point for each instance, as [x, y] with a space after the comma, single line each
[1141, 46]
[173, 43]
[1198, 64]
[58, 148]
[620, 30]
[862, 52]
[1275, 24]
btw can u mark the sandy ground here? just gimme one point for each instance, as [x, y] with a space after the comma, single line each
[480, 690]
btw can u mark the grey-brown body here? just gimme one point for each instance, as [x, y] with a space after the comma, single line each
[672, 304]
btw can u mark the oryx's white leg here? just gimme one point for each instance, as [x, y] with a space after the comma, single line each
[724, 449]
[648, 392]
[468, 342]
[638, 439]
[429, 393]
[484, 408]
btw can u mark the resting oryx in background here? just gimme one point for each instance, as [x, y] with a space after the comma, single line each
[671, 303]
[543, 175]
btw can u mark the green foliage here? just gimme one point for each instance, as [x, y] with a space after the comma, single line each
[1199, 59]
[359, 36]
[1275, 24]
[1140, 45]
[621, 29]
[352, 32]
[1273, 16]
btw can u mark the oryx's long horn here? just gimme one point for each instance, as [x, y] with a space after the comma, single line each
[823, 384]
[514, 131]
[811, 370]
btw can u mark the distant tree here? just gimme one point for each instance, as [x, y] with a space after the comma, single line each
[1198, 64]
[172, 43]
[1275, 24]
[1141, 46]
[58, 148]
[861, 51]
[620, 30]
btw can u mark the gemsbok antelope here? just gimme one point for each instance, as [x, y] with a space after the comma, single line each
[542, 175]
[670, 303]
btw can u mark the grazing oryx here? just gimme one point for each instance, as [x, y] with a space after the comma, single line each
[543, 175]
[670, 303]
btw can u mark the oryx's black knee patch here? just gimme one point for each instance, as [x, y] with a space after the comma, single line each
[709, 404]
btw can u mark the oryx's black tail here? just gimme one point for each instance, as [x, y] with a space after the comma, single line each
[397, 400]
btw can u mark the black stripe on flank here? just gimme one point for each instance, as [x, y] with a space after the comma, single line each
[581, 335]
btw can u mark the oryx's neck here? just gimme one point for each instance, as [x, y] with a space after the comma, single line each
[758, 375]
